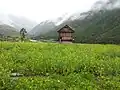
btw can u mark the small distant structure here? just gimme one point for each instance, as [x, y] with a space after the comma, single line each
[65, 34]
[33, 40]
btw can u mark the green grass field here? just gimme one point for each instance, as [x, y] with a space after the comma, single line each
[48, 66]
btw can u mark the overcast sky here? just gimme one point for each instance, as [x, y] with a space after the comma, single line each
[40, 10]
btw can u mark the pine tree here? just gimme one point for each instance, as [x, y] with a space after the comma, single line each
[23, 33]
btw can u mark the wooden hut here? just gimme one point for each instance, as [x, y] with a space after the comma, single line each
[65, 34]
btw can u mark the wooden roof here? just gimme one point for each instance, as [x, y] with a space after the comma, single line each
[68, 30]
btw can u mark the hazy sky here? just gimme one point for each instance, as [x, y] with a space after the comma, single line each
[44, 9]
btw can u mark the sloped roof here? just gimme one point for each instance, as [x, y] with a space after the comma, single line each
[69, 28]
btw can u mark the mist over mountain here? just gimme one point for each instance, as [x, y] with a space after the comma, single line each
[42, 28]
[97, 6]
[48, 25]
[105, 5]
[101, 24]
[17, 22]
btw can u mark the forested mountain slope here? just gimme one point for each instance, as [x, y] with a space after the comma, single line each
[97, 27]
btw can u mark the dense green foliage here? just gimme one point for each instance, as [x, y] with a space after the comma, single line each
[98, 27]
[48, 66]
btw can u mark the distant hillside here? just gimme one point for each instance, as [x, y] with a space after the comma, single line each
[42, 28]
[8, 30]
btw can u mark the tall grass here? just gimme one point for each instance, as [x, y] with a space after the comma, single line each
[48, 66]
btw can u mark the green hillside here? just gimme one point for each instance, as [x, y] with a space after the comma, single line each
[103, 27]
[97, 27]
[8, 31]
[47, 66]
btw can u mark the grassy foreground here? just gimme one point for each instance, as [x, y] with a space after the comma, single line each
[48, 66]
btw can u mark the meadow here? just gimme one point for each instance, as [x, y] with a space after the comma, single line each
[52, 66]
